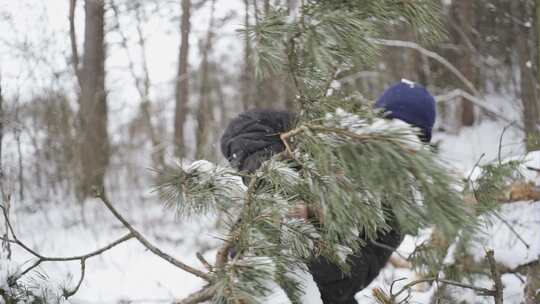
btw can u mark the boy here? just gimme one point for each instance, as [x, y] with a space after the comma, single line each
[253, 137]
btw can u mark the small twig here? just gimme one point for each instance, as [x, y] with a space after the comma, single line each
[149, 245]
[389, 248]
[533, 169]
[496, 277]
[513, 230]
[501, 139]
[286, 143]
[519, 269]
[6, 242]
[69, 293]
[14, 278]
[394, 282]
[204, 261]
[496, 292]
[292, 133]
[474, 167]
[479, 290]
[202, 295]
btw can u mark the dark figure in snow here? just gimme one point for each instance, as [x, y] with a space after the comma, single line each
[253, 137]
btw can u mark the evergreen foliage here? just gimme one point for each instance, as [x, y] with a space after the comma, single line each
[489, 188]
[327, 37]
[35, 289]
[341, 159]
[353, 170]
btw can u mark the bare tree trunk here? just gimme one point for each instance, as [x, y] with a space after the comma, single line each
[158, 155]
[1, 137]
[142, 86]
[247, 72]
[529, 90]
[182, 80]
[73, 39]
[463, 20]
[17, 133]
[290, 91]
[204, 112]
[94, 140]
[20, 163]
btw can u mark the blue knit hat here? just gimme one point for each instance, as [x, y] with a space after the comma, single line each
[410, 103]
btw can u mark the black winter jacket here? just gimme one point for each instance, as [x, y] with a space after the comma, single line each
[253, 137]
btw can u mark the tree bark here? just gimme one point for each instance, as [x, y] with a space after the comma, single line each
[94, 140]
[204, 112]
[464, 25]
[247, 72]
[266, 7]
[529, 82]
[182, 80]
[1, 136]
[289, 90]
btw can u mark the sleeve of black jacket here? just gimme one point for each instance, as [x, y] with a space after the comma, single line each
[252, 138]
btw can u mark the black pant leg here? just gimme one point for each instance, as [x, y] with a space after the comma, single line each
[337, 287]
